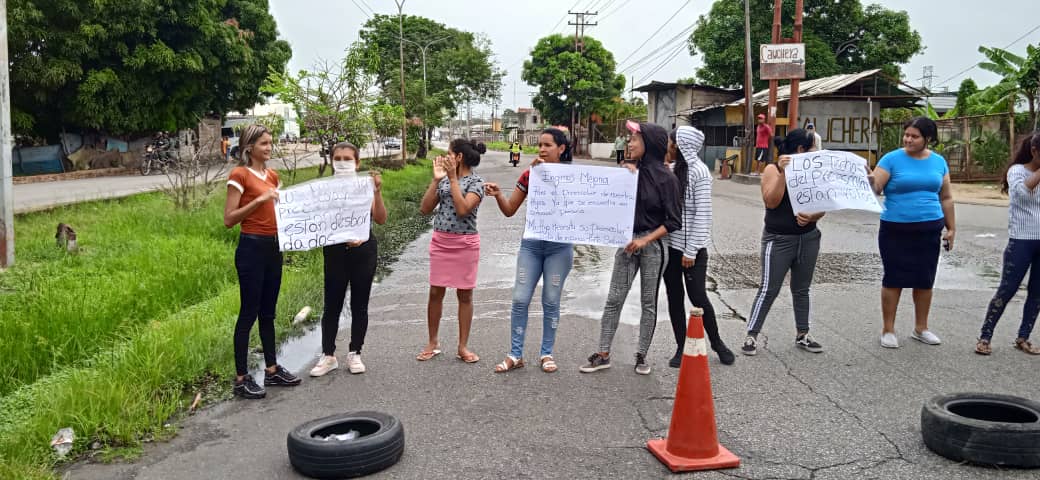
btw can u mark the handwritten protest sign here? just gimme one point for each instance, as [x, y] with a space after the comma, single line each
[324, 212]
[829, 180]
[581, 204]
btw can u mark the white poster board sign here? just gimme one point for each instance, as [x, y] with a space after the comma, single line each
[581, 204]
[829, 180]
[324, 212]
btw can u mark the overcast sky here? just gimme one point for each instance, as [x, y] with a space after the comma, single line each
[952, 30]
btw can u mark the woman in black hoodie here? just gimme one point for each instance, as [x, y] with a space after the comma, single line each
[657, 213]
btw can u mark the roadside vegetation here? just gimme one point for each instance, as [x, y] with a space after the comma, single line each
[504, 147]
[116, 340]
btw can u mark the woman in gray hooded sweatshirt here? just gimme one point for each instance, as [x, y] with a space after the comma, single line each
[687, 270]
[656, 214]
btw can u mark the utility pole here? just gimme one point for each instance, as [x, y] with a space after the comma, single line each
[749, 113]
[579, 46]
[6, 168]
[400, 34]
[792, 104]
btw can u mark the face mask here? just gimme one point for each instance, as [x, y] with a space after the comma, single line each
[348, 167]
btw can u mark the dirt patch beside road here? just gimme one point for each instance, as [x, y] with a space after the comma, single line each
[979, 194]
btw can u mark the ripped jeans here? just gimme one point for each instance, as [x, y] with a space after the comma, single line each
[550, 261]
[1019, 256]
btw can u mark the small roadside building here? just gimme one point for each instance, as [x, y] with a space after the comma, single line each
[846, 110]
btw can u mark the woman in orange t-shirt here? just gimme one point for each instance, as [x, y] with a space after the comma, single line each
[251, 194]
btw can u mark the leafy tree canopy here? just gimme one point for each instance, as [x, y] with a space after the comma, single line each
[459, 65]
[136, 66]
[840, 36]
[566, 78]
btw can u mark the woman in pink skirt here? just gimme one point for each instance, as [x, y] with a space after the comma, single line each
[453, 197]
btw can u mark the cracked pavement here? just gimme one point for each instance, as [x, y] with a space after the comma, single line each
[849, 412]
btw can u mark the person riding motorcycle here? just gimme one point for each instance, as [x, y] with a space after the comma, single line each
[514, 155]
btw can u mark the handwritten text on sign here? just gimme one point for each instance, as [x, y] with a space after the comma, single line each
[324, 212]
[829, 180]
[581, 204]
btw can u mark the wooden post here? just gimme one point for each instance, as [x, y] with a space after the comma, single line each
[792, 107]
[6, 168]
[749, 110]
[968, 167]
[773, 84]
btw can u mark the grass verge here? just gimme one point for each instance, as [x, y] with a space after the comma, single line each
[127, 389]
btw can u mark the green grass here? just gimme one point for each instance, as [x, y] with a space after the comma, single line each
[130, 374]
[504, 147]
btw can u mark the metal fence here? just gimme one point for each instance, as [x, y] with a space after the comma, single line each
[977, 148]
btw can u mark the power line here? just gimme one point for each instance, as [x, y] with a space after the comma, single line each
[362, 10]
[679, 37]
[661, 65]
[619, 7]
[657, 31]
[966, 70]
[369, 7]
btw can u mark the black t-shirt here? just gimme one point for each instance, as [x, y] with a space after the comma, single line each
[781, 220]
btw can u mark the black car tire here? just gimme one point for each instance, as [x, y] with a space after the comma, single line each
[983, 428]
[379, 446]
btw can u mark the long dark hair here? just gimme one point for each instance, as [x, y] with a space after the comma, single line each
[560, 138]
[798, 137]
[471, 151]
[682, 167]
[1023, 155]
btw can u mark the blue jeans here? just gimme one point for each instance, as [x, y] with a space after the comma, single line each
[539, 259]
[1020, 255]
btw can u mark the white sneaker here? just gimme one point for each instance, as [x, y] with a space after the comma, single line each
[926, 337]
[889, 340]
[327, 364]
[354, 363]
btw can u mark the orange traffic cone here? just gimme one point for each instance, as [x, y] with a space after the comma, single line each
[692, 442]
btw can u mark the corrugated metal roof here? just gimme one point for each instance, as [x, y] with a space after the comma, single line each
[806, 89]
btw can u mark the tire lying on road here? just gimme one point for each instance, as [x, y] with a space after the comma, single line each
[983, 428]
[379, 445]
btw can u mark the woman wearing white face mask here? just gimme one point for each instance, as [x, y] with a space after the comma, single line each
[350, 264]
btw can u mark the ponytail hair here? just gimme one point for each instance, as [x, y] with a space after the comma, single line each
[560, 138]
[471, 151]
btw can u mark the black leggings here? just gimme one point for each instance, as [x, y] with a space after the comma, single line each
[259, 266]
[694, 278]
[354, 267]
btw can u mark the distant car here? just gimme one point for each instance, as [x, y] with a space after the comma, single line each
[392, 142]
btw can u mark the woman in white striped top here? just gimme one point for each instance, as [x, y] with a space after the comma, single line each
[1023, 249]
[688, 253]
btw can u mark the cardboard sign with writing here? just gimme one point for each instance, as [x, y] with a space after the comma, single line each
[324, 212]
[581, 204]
[829, 180]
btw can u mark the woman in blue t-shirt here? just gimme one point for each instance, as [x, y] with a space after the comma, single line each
[918, 205]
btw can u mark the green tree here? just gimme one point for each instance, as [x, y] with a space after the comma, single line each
[840, 36]
[332, 100]
[136, 66]
[459, 66]
[963, 106]
[566, 78]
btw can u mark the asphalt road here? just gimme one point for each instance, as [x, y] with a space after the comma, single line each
[30, 197]
[850, 412]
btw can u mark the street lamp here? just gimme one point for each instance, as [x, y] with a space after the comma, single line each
[422, 49]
